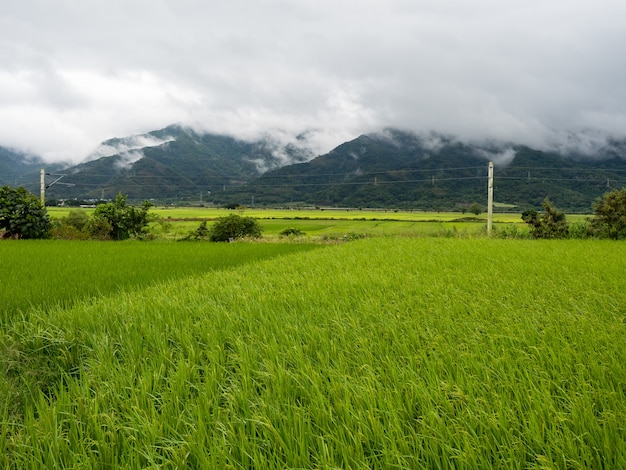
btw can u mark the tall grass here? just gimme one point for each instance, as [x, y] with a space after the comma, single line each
[49, 272]
[378, 353]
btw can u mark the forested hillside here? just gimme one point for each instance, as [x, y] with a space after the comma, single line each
[392, 169]
[397, 169]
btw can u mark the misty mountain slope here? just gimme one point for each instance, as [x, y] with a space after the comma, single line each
[173, 162]
[400, 169]
[391, 168]
[20, 169]
[12, 166]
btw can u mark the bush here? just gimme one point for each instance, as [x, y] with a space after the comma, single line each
[64, 231]
[124, 220]
[292, 232]
[99, 228]
[201, 233]
[610, 215]
[22, 215]
[550, 224]
[233, 227]
[476, 208]
[72, 227]
[510, 231]
[77, 218]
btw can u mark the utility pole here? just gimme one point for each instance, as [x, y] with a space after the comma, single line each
[490, 199]
[42, 186]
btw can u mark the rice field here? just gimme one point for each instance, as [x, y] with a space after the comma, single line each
[46, 273]
[331, 224]
[376, 353]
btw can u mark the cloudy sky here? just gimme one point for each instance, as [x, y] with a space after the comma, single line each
[73, 73]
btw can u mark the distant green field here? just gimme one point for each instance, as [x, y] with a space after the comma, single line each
[178, 222]
[338, 228]
[212, 213]
[387, 352]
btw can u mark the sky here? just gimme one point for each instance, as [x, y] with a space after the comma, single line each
[538, 72]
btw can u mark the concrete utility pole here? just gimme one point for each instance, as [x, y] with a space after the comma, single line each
[490, 199]
[42, 186]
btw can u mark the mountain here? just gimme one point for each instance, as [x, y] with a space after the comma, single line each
[432, 171]
[173, 163]
[22, 169]
[391, 168]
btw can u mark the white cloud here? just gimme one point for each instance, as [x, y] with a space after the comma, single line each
[76, 73]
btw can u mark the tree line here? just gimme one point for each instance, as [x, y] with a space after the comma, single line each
[609, 220]
[22, 216]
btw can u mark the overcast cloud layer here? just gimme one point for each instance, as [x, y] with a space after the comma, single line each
[74, 73]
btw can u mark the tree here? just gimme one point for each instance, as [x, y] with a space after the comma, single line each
[550, 224]
[476, 208]
[124, 220]
[233, 227]
[22, 215]
[610, 215]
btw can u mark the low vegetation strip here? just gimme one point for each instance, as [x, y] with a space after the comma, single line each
[378, 353]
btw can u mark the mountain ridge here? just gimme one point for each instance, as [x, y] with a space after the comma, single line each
[388, 168]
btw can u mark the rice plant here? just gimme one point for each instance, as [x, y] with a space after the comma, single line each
[379, 353]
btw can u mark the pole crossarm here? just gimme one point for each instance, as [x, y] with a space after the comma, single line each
[58, 179]
[43, 186]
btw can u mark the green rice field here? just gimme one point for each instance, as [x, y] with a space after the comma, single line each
[329, 224]
[382, 352]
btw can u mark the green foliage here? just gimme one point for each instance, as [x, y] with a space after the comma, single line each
[476, 208]
[233, 227]
[124, 220]
[550, 224]
[509, 231]
[99, 228]
[201, 233]
[581, 229]
[77, 218]
[292, 232]
[63, 231]
[22, 215]
[72, 227]
[610, 215]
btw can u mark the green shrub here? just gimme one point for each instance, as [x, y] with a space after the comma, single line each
[476, 208]
[64, 231]
[550, 224]
[201, 233]
[22, 215]
[77, 218]
[292, 232]
[510, 231]
[581, 229]
[99, 228]
[125, 221]
[610, 215]
[233, 227]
